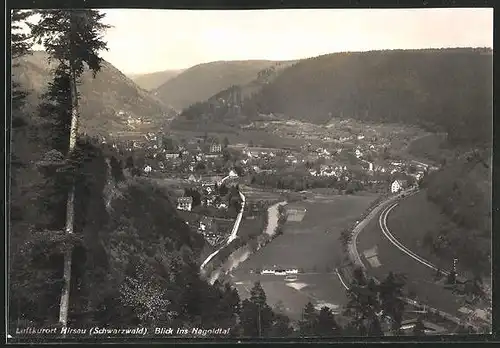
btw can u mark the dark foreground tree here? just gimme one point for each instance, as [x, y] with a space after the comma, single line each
[257, 319]
[390, 294]
[20, 46]
[326, 325]
[419, 328]
[363, 309]
[73, 38]
[309, 320]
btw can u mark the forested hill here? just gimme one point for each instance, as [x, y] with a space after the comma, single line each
[446, 90]
[154, 80]
[102, 98]
[220, 108]
[462, 191]
[202, 81]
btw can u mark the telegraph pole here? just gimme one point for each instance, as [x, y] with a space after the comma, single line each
[259, 322]
[455, 260]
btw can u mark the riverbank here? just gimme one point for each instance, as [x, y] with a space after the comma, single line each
[241, 253]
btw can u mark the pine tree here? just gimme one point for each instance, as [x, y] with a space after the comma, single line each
[73, 38]
[390, 293]
[256, 316]
[20, 46]
[326, 325]
[363, 305]
[309, 320]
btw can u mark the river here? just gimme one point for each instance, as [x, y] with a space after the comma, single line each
[243, 253]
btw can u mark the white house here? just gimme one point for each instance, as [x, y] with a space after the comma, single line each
[232, 174]
[147, 169]
[193, 178]
[185, 203]
[398, 185]
[358, 153]
[215, 147]
[222, 206]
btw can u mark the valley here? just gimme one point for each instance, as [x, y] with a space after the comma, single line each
[233, 177]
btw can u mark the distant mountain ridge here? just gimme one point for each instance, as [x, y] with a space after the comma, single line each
[202, 81]
[109, 103]
[448, 90]
[154, 80]
[227, 106]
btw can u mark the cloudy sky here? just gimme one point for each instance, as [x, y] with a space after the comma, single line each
[143, 41]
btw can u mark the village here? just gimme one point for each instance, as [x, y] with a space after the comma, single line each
[204, 173]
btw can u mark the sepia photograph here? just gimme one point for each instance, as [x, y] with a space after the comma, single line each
[188, 175]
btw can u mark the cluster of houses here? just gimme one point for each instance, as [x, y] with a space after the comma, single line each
[329, 170]
[208, 188]
[420, 171]
[182, 158]
[207, 227]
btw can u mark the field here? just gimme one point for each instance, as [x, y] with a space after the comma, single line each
[256, 194]
[411, 220]
[311, 245]
[250, 228]
[313, 242]
[388, 258]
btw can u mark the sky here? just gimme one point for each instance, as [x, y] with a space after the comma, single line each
[144, 41]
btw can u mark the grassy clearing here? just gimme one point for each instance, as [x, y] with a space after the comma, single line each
[250, 228]
[256, 194]
[312, 243]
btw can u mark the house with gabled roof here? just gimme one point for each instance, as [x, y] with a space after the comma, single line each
[398, 185]
[215, 147]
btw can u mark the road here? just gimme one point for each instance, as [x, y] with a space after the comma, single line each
[385, 230]
[382, 211]
[234, 231]
[352, 247]
[387, 233]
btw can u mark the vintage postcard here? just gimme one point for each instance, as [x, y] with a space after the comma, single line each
[250, 174]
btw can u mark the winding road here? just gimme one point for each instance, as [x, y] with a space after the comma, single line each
[385, 230]
[234, 231]
[383, 210]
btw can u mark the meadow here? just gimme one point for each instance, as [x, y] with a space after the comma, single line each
[313, 243]
[313, 246]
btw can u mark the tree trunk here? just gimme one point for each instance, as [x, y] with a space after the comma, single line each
[64, 306]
